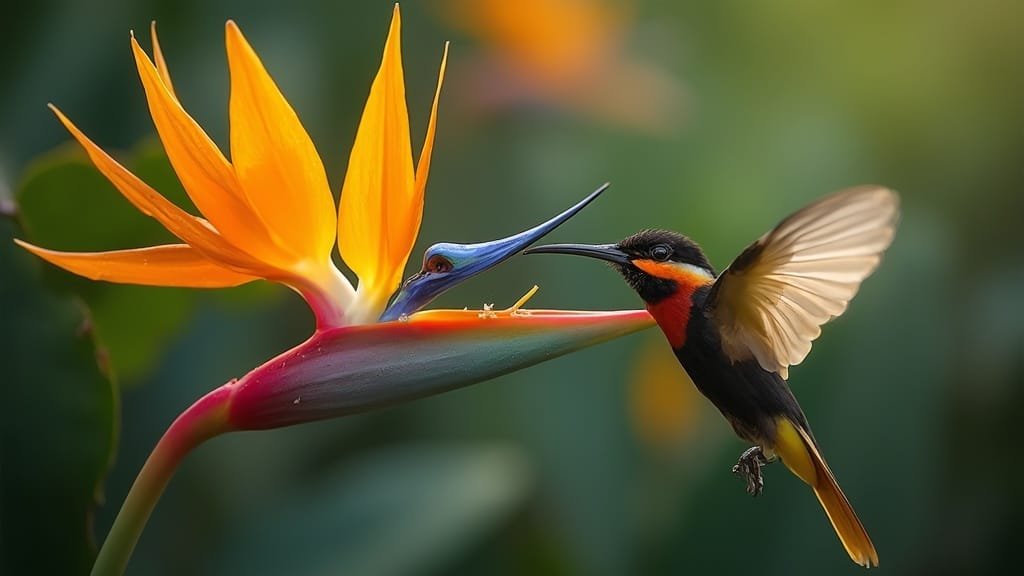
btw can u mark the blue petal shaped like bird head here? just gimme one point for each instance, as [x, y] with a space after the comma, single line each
[447, 264]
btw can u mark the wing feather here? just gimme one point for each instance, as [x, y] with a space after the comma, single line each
[771, 302]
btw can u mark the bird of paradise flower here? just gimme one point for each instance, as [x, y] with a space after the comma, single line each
[269, 214]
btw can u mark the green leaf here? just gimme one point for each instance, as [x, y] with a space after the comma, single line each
[66, 204]
[59, 424]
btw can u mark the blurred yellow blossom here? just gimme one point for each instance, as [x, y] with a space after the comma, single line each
[664, 405]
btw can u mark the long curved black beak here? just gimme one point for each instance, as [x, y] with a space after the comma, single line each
[608, 252]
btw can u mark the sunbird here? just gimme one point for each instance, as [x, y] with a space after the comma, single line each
[737, 333]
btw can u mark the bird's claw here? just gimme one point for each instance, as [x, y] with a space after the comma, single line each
[749, 468]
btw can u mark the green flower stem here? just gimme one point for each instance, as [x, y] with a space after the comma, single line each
[203, 420]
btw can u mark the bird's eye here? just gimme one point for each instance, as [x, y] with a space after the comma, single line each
[438, 265]
[661, 252]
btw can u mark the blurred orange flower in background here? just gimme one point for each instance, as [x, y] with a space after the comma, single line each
[570, 54]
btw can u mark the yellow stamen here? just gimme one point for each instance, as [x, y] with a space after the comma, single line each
[522, 301]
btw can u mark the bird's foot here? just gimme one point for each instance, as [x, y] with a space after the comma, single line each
[749, 468]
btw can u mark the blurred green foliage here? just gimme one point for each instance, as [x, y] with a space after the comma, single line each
[914, 394]
[59, 426]
[66, 204]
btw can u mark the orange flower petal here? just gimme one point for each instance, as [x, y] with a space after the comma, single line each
[423, 166]
[204, 172]
[379, 211]
[180, 223]
[274, 158]
[170, 265]
[158, 57]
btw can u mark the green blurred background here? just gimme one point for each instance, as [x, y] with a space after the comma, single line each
[713, 118]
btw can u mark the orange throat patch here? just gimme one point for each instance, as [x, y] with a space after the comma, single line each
[673, 313]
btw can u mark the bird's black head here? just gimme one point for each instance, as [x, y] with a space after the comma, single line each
[655, 263]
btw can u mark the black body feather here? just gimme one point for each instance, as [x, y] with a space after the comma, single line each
[749, 396]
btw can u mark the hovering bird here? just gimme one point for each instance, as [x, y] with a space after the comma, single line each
[446, 264]
[737, 334]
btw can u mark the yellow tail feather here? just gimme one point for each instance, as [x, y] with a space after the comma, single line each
[798, 451]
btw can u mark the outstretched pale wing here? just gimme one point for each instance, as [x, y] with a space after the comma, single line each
[772, 300]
